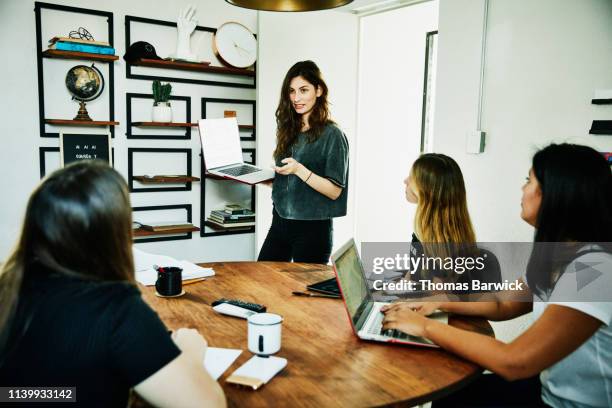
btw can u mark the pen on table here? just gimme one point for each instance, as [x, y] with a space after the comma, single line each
[190, 281]
[314, 295]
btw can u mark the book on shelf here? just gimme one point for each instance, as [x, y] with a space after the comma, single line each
[79, 41]
[231, 225]
[92, 49]
[230, 222]
[236, 209]
[166, 226]
[226, 216]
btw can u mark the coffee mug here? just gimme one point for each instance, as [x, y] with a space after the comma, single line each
[264, 333]
[169, 281]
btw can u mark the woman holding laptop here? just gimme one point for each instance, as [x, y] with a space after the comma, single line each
[567, 199]
[310, 187]
[71, 313]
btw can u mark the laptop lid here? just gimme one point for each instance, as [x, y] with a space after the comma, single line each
[220, 142]
[352, 283]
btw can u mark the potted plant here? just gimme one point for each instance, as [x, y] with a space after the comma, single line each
[162, 111]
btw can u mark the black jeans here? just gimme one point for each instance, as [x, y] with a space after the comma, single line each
[298, 240]
[491, 390]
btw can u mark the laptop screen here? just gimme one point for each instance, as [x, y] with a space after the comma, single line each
[220, 142]
[350, 274]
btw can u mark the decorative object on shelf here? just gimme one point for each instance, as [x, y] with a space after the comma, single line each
[185, 25]
[162, 110]
[76, 147]
[81, 34]
[235, 45]
[140, 49]
[84, 84]
[229, 114]
[289, 5]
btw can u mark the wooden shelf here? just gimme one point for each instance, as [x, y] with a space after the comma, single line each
[165, 179]
[163, 124]
[601, 101]
[192, 66]
[218, 228]
[71, 122]
[145, 233]
[79, 55]
[215, 177]
[251, 127]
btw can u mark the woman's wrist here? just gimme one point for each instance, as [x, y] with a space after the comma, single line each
[303, 173]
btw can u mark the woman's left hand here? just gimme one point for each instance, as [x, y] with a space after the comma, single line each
[291, 166]
[402, 317]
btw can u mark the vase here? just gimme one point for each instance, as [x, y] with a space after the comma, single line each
[162, 112]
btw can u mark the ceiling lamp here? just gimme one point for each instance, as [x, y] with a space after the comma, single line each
[289, 5]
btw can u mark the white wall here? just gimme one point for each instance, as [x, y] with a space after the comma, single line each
[391, 69]
[544, 61]
[19, 113]
[330, 38]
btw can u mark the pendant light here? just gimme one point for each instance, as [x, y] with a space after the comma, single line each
[289, 5]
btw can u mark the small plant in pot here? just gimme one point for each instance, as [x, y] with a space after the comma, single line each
[162, 111]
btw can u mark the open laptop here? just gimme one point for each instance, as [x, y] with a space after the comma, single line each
[364, 313]
[223, 154]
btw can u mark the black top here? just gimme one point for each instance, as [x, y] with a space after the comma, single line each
[99, 337]
[327, 157]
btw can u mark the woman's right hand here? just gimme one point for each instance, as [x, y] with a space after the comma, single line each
[422, 308]
[190, 341]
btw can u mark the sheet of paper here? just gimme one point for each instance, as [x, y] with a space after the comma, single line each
[146, 274]
[217, 360]
[220, 142]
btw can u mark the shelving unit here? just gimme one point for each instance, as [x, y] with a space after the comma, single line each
[74, 55]
[146, 233]
[163, 124]
[165, 179]
[72, 122]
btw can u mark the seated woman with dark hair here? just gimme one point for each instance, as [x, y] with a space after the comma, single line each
[71, 314]
[567, 198]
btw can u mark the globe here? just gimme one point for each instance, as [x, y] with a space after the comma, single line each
[84, 83]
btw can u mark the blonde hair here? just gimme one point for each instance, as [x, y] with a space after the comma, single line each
[442, 220]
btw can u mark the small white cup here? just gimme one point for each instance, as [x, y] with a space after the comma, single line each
[264, 333]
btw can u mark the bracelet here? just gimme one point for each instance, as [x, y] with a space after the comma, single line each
[305, 181]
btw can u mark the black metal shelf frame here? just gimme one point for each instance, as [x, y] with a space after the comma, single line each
[38, 6]
[251, 102]
[186, 235]
[132, 150]
[128, 108]
[128, 67]
[203, 213]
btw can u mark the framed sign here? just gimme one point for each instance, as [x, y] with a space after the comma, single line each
[75, 147]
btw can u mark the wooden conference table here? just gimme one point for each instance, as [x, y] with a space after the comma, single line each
[328, 366]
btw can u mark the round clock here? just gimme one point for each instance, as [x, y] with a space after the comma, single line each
[235, 45]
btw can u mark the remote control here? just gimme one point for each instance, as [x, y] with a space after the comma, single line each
[257, 308]
[231, 310]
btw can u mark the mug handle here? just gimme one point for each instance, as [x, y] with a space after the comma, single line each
[261, 344]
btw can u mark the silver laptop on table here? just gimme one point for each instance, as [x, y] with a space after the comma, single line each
[364, 313]
[223, 154]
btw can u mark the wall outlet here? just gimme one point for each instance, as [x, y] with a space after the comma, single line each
[476, 142]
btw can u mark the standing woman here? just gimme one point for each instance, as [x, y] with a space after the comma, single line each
[310, 188]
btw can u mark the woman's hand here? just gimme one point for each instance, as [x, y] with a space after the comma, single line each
[292, 166]
[402, 317]
[190, 341]
[422, 308]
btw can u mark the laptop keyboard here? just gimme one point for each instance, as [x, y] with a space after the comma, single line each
[376, 328]
[239, 170]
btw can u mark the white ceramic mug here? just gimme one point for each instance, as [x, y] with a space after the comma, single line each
[264, 333]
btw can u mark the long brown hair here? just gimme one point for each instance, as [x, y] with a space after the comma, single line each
[442, 214]
[78, 222]
[288, 121]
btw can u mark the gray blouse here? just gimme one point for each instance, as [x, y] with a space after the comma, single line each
[327, 157]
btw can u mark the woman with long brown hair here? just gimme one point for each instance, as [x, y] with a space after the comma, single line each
[71, 314]
[311, 155]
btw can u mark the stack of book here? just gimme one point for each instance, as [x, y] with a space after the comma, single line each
[232, 216]
[78, 45]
